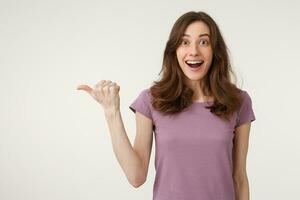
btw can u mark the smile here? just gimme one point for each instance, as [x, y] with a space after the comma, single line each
[194, 63]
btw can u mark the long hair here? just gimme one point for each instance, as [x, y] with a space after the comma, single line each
[171, 95]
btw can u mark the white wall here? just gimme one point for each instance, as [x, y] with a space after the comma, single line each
[54, 141]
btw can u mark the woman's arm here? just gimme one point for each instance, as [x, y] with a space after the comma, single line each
[240, 150]
[134, 161]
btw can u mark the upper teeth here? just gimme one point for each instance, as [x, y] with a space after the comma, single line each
[194, 61]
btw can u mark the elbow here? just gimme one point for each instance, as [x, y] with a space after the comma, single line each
[136, 185]
[138, 178]
[239, 180]
[137, 182]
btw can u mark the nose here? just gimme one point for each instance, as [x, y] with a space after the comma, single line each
[194, 51]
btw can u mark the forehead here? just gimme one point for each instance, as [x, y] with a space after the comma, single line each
[197, 29]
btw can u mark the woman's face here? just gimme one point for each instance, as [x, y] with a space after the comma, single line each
[194, 54]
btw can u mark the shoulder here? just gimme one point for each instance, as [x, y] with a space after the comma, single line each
[146, 90]
[245, 112]
[246, 102]
[244, 95]
[146, 93]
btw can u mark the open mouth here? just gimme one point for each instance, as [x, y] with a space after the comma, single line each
[194, 64]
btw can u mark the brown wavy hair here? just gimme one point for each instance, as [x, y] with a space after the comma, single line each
[171, 95]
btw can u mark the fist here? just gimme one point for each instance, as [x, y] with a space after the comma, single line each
[106, 93]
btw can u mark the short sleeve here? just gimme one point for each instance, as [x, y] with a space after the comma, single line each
[245, 113]
[142, 104]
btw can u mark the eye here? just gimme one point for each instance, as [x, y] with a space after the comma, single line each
[205, 42]
[184, 42]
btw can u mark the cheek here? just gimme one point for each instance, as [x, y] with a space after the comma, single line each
[208, 54]
[209, 59]
[179, 55]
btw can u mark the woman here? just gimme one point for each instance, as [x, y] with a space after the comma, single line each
[200, 118]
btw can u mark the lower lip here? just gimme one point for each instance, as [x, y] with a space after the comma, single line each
[194, 69]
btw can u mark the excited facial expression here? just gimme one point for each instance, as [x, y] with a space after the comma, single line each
[194, 54]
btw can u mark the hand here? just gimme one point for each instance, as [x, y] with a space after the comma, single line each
[106, 93]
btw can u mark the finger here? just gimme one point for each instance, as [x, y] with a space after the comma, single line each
[114, 86]
[101, 83]
[85, 88]
[107, 83]
[105, 86]
[111, 84]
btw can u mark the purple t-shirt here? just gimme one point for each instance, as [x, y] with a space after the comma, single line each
[193, 154]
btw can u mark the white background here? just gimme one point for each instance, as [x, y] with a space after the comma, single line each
[54, 140]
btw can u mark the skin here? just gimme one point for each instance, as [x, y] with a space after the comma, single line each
[134, 160]
[195, 47]
[239, 156]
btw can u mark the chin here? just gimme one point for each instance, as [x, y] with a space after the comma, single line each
[194, 79]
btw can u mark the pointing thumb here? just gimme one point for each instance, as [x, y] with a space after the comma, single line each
[86, 88]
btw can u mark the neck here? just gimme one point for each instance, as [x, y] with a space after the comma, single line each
[198, 92]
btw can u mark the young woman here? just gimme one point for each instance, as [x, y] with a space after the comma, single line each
[201, 120]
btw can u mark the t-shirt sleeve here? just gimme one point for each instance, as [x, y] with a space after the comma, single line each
[142, 104]
[245, 113]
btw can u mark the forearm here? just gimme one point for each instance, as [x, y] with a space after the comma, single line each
[127, 158]
[242, 190]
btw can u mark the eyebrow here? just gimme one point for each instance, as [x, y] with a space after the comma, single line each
[201, 35]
